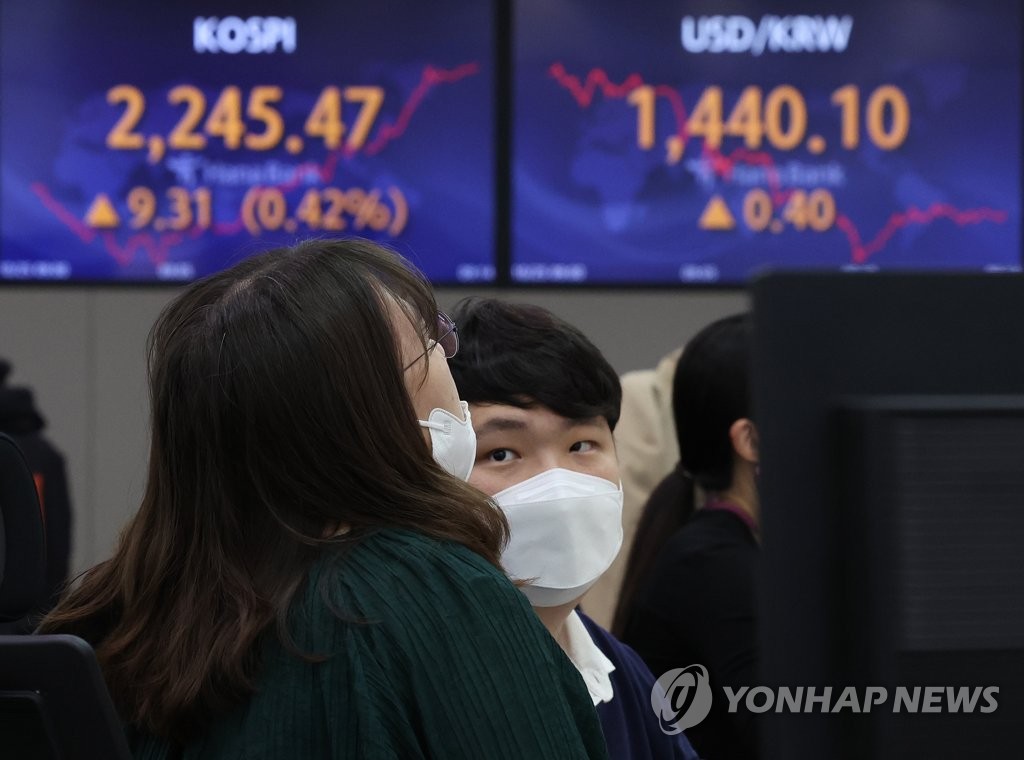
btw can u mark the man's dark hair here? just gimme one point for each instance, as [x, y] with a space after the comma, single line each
[523, 355]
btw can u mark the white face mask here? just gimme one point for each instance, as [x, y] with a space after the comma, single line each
[452, 440]
[566, 530]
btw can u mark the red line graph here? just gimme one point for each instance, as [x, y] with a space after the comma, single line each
[72, 222]
[584, 91]
[158, 245]
[430, 79]
[597, 79]
[861, 252]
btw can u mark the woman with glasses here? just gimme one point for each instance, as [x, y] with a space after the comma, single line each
[308, 575]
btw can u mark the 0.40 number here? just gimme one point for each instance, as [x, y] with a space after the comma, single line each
[815, 210]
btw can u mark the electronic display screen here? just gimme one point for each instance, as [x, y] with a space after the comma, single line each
[699, 142]
[163, 141]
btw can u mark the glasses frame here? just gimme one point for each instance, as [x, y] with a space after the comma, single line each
[447, 338]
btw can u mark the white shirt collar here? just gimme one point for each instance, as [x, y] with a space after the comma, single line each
[589, 660]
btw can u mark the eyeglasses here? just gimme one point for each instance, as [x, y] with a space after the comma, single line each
[447, 337]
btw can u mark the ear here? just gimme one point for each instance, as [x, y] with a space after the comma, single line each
[743, 434]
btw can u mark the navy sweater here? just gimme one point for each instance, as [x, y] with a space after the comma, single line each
[630, 725]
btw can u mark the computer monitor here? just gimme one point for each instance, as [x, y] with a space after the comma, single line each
[162, 142]
[891, 419]
[700, 142]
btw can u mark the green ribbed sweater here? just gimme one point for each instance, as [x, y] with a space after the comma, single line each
[453, 663]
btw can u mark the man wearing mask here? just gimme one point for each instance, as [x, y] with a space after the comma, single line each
[544, 403]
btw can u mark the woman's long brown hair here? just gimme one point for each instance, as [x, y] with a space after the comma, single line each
[279, 413]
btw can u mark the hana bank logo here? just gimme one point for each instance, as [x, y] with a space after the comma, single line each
[681, 698]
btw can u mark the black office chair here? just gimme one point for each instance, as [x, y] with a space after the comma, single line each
[22, 539]
[54, 704]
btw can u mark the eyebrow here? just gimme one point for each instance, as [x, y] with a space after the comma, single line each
[500, 424]
[595, 421]
[504, 424]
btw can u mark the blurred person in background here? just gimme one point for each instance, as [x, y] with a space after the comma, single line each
[689, 592]
[645, 442]
[22, 421]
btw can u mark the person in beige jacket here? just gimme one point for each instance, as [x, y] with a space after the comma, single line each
[645, 441]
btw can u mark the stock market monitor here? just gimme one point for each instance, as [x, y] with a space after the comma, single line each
[159, 141]
[701, 142]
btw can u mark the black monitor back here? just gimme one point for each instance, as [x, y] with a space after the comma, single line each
[891, 415]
